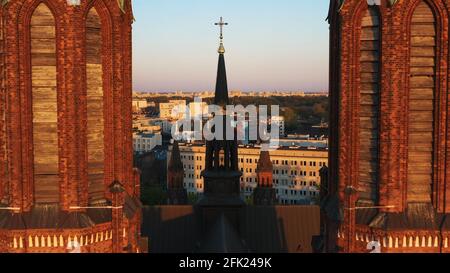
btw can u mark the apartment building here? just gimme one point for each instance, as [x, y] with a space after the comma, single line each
[139, 104]
[174, 109]
[295, 175]
[146, 142]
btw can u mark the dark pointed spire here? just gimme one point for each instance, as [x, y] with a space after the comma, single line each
[221, 175]
[221, 96]
[175, 163]
[264, 162]
[177, 194]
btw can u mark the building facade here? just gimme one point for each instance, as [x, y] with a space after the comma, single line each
[389, 127]
[67, 180]
[296, 176]
[146, 142]
[139, 104]
[172, 110]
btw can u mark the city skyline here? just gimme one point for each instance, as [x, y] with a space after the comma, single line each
[264, 45]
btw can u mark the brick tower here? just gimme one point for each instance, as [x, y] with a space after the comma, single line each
[177, 194]
[264, 194]
[389, 115]
[66, 176]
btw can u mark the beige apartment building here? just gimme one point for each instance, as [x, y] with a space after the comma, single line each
[174, 109]
[139, 104]
[295, 175]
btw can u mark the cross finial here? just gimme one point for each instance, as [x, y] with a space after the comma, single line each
[221, 23]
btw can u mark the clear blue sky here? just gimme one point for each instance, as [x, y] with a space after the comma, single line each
[271, 44]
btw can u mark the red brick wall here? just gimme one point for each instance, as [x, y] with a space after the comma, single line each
[344, 78]
[71, 98]
[3, 161]
[72, 117]
[267, 177]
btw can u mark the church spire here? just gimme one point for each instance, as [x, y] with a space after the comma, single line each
[175, 163]
[221, 95]
[264, 166]
[221, 175]
[264, 194]
[177, 194]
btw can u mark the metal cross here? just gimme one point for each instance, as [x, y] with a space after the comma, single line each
[221, 24]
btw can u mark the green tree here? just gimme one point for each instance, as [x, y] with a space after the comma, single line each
[319, 109]
[290, 120]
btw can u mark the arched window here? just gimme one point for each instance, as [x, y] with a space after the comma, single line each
[421, 104]
[44, 105]
[95, 116]
[369, 104]
[3, 135]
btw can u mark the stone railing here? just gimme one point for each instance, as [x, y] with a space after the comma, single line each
[392, 241]
[76, 241]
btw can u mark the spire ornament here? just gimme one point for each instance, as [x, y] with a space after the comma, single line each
[221, 23]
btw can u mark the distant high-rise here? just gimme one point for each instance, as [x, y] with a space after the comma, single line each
[66, 174]
[389, 103]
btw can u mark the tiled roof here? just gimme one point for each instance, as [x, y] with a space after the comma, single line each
[270, 229]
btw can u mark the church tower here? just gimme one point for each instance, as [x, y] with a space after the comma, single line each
[66, 177]
[177, 194]
[221, 174]
[264, 194]
[387, 181]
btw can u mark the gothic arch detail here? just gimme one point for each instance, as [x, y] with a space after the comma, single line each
[369, 104]
[44, 105]
[421, 101]
[95, 106]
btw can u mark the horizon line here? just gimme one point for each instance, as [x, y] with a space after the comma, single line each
[232, 91]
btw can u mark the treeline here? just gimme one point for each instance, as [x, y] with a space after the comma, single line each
[299, 112]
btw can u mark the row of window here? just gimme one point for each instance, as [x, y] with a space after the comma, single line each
[275, 162]
[289, 201]
[284, 182]
[248, 160]
[143, 146]
[249, 171]
[285, 192]
[143, 140]
[300, 193]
